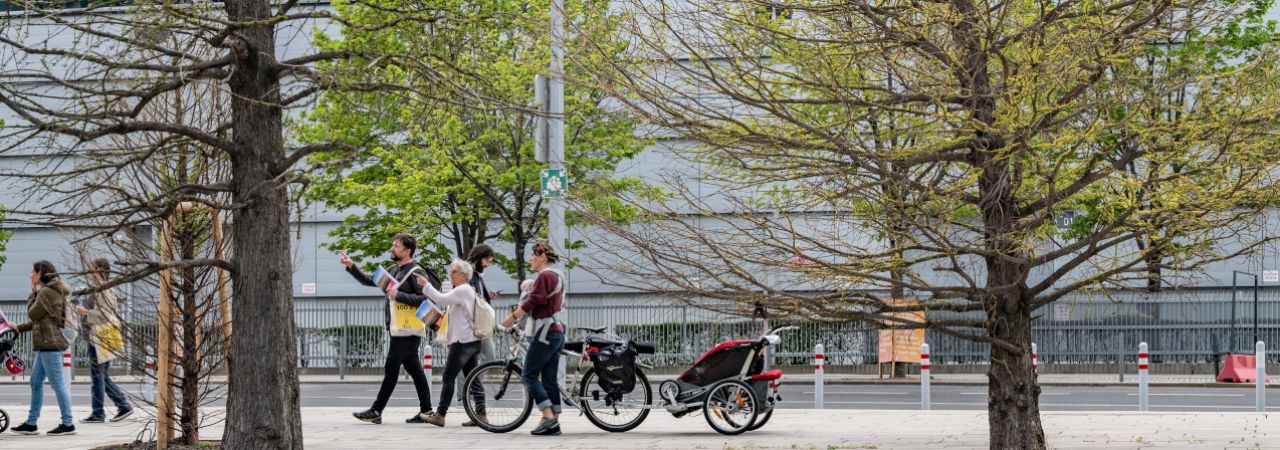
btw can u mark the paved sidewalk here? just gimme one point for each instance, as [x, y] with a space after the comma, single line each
[937, 379]
[330, 428]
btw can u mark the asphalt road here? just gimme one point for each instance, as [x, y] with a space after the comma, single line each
[15, 398]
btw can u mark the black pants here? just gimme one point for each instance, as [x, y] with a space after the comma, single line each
[403, 351]
[463, 358]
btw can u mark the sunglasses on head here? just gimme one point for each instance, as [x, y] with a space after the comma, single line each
[539, 249]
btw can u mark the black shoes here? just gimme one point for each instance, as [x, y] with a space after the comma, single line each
[369, 415]
[94, 419]
[25, 429]
[123, 414]
[416, 418]
[63, 430]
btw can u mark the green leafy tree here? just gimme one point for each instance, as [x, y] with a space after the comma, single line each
[1162, 80]
[462, 169]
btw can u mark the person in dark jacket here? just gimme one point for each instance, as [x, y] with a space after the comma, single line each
[46, 315]
[480, 257]
[403, 351]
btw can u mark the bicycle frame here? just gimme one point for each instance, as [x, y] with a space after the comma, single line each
[519, 347]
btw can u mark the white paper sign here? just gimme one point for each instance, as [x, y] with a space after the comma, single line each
[1271, 276]
[308, 288]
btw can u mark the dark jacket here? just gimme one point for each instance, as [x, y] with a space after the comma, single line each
[46, 310]
[410, 293]
[477, 283]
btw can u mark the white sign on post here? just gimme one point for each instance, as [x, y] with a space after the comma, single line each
[1271, 276]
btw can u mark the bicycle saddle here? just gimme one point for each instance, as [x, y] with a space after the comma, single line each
[594, 330]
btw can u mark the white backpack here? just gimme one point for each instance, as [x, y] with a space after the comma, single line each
[483, 319]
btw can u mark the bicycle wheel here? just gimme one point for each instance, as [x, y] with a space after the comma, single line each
[761, 419]
[731, 407]
[496, 399]
[621, 416]
[4, 421]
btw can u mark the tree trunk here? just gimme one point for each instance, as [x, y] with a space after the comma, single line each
[189, 409]
[517, 238]
[262, 406]
[1013, 395]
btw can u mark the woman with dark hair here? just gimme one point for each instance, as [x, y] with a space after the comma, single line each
[546, 337]
[46, 315]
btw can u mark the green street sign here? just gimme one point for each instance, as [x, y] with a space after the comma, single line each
[554, 183]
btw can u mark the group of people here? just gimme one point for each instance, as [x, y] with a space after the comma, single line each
[541, 300]
[52, 319]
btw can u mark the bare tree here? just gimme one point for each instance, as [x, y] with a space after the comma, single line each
[1000, 114]
[77, 81]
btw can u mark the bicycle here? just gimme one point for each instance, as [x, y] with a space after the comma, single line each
[507, 405]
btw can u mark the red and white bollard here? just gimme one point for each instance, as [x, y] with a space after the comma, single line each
[819, 366]
[149, 364]
[427, 365]
[66, 366]
[1035, 358]
[1142, 376]
[924, 377]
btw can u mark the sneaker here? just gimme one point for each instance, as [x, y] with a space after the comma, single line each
[94, 419]
[472, 423]
[416, 418]
[432, 418]
[63, 430]
[25, 429]
[547, 427]
[369, 415]
[123, 414]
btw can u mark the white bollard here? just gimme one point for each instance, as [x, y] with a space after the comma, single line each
[1142, 377]
[924, 377]
[427, 365]
[1035, 358]
[1261, 363]
[149, 388]
[819, 366]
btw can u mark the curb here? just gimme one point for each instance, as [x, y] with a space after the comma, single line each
[935, 382]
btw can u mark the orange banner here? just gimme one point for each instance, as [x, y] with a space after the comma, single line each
[902, 345]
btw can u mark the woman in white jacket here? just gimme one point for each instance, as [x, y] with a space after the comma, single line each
[464, 348]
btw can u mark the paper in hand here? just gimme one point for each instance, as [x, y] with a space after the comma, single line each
[384, 280]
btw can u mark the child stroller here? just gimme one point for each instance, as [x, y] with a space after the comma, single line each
[12, 363]
[729, 384]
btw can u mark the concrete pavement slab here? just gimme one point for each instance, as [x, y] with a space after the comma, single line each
[334, 428]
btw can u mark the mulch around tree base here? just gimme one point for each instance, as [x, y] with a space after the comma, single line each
[202, 445]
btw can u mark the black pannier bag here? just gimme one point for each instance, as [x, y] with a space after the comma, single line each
[615, 369]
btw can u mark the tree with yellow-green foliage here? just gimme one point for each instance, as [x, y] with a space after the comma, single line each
[861, 148]
[459, 163]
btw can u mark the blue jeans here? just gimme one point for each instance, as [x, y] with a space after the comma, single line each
[544, 360]
[48, 363]
[104, 387]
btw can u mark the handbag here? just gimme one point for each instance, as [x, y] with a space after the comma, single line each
[108, 342]
[441, 337]
[404, 318]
